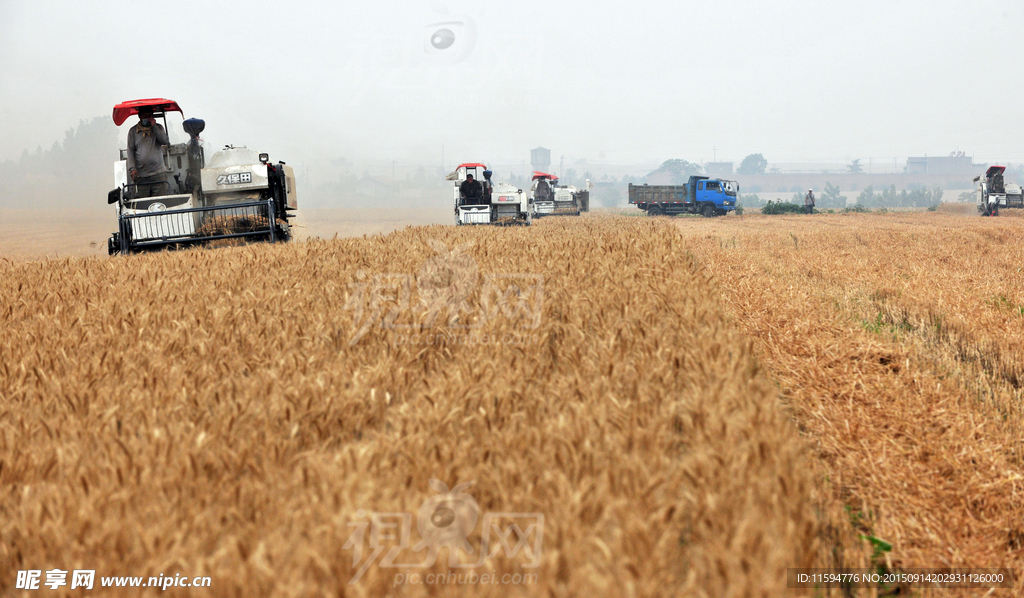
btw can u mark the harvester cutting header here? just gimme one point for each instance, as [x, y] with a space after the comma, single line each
[170, 196]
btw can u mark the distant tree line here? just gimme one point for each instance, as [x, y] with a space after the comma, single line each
[831, 198]
[75, 172]
[890, 198]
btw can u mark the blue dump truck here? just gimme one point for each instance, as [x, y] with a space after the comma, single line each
[701, 195]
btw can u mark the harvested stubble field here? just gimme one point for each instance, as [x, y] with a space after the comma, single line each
[236, 413]
[897, 341]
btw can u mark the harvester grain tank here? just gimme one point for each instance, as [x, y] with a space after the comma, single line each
[994, 193]
[701, 195]
[492, 203]
[237, 195]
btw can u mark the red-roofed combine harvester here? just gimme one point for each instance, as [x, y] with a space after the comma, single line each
[499, 203]
[994, 193]
[549, 198]
[235, 196]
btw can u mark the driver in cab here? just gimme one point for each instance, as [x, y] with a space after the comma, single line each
[543, 190]
[472, 192]
[146, 143]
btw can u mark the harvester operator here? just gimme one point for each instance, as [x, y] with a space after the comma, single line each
[146, 143]
[543, 190]
[997, 183]
[472, 192]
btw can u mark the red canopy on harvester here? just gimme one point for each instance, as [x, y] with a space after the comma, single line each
[472, 165]
[159, 105]
[543, 175]
[994, 170]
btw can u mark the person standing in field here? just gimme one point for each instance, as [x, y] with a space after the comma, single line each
[146, 143]
[809, 201]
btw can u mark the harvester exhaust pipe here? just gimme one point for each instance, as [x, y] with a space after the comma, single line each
[196, 160]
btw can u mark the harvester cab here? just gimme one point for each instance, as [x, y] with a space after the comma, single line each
[994, 192]
[479, 200]
[235, 196]
[550, 198]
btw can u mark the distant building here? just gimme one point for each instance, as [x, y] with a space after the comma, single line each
[540, 159]
[955, 163]
[719, 168]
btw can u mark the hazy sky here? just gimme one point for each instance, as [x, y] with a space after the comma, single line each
[799, 81]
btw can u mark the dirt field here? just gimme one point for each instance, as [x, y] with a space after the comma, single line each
[35, 234]
[662, 406]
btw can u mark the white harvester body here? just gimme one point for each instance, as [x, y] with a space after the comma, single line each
[550, 198]
[497, 203]
[236, 194]
[993, 193]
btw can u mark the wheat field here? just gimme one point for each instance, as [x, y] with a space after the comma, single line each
[235, 413]
[663, 406]
[896, 340]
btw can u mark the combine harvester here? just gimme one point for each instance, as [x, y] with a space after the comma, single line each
[235, 196]
[485, 202]
[993, 193]
[549, 198]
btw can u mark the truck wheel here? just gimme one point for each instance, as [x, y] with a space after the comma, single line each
[708, 211]
[655, 211]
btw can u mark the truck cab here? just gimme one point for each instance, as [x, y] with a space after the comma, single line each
[700, 195]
